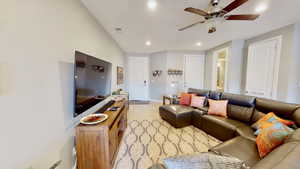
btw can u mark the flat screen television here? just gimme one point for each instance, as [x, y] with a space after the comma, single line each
[92, 81]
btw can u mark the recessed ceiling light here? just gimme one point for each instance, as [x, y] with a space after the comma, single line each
[148, 43]
[199, 44]
[261, 8]
[152, 4]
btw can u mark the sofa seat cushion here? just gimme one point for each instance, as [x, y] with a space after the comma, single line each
[284, 157]
[246, 132]
[196, 117]
[241, 148]
[224, 122]
[205, 109]
[177, 115]
[220, 127]
[294, 137]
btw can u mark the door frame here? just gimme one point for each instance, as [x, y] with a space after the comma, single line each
[184, 68]
[147, 77]
[276, 62]
[214, 68]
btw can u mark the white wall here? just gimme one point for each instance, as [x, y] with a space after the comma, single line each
[160, 86]
[175, 60]
[157, 88]
[294, 77]
[38, 39]
[235, 66]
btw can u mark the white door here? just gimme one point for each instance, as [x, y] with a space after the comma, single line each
[194, 72]
[138, 69]
[262, 68]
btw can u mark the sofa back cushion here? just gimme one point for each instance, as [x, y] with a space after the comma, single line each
[215, 95]
[281, 109]
[240, 107]
[199, 92]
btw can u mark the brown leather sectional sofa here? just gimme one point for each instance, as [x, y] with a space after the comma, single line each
[236, 131]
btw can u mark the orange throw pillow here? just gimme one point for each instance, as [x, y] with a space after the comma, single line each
[218, 107]
[185, 99]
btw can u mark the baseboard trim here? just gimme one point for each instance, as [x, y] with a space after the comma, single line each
[157, 101]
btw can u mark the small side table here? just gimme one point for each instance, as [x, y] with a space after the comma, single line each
[172, 99]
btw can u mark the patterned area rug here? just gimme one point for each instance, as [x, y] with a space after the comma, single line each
[147, 142]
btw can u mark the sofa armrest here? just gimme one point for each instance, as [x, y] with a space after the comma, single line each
[246, 132]
[296, 117]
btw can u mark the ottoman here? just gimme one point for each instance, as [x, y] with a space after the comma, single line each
[177, 115]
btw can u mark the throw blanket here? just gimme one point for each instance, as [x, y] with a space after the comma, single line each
[207, 160]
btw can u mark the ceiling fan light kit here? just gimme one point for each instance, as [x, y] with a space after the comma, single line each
[216, 13]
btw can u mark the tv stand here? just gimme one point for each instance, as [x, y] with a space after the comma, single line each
[97, 145]
[105, 107]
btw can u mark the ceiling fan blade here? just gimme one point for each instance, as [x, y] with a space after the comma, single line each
[194, 24]
[196, 11]
[234, 5]
[241, 17]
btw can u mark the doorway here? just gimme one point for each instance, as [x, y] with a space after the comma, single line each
[138, 78]
[220, 69]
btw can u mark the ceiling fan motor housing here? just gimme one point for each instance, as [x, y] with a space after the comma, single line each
[215, 2]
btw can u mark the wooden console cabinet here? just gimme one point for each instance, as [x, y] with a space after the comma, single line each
[97, 145]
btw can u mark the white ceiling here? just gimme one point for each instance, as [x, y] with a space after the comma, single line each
[160, 26]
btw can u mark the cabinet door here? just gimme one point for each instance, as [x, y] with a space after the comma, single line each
[194, 72]
[113, 141]
[261, 69]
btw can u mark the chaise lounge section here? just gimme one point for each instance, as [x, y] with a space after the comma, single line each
[235, 131]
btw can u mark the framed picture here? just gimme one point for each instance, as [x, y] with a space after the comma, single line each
[120, 75]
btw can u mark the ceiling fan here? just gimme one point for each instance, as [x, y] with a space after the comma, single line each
[215, 12]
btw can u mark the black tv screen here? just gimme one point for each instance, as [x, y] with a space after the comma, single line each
[92, 81]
